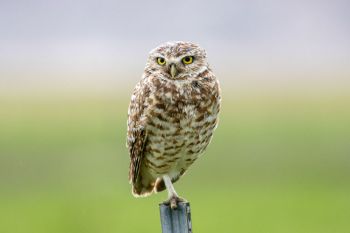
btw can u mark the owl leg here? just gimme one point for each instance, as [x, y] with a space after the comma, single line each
[173, 198]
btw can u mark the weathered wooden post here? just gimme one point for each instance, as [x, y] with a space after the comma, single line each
[176, 220]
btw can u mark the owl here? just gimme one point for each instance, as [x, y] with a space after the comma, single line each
[171, 117]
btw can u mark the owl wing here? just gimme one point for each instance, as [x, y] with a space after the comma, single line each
[136, 136]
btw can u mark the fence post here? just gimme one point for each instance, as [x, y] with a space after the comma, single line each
[176, 220]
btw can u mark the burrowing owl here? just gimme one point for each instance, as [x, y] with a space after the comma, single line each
[172, 115]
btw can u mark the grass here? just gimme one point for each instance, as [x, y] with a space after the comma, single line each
[276, 164]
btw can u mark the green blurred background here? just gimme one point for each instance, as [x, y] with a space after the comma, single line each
[279, 160]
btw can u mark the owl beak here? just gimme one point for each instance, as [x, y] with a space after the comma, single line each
[173, 70]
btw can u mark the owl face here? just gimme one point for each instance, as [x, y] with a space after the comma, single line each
[177, 60]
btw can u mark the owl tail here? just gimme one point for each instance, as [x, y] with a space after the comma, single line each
[143, 186]
[142, 191]
[160, 185]
[139, 189]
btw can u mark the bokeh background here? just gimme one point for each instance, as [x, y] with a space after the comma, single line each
[279, 161]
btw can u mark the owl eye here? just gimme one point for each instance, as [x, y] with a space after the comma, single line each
[187, 60]
[161, 61]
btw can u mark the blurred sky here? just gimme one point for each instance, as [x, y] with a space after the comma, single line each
[53, 43]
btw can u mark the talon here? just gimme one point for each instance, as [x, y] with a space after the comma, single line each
[172, 201]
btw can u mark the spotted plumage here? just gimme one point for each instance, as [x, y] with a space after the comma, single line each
[172, 116]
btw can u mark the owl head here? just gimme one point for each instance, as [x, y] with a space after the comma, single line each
[177, 60]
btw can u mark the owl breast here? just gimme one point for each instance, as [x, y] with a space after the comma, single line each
[180, 124]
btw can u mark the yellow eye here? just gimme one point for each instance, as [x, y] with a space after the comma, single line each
[161, 61]
[187, 60]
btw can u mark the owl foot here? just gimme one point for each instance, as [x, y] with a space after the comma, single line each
[172, 201]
